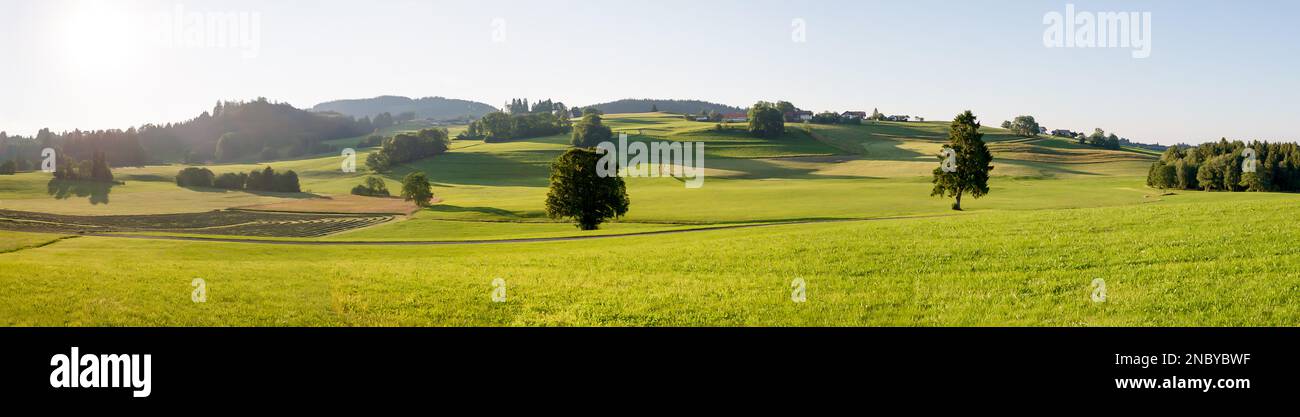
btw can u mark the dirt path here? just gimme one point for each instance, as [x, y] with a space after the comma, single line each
[483, 242]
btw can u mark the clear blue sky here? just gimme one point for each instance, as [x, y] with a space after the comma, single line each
[1217, 68]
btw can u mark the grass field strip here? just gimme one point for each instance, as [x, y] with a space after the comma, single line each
[498, 241]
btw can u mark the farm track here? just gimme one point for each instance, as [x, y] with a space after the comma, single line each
[498, 241]
[227, 222]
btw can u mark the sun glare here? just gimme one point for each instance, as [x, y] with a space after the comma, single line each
[98, 41]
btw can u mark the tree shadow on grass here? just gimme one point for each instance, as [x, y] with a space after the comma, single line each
[300, 196]
[146, 177]
[447, 208]
[97, 191]
[516, 168]
[215, 190]
[206, 189]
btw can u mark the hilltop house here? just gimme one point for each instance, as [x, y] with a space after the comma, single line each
[798, 116]
[854, 115]
[735, 117]
[899, 118]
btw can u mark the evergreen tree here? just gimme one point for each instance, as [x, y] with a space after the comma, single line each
[972, 162]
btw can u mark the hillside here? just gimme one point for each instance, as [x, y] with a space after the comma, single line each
[888, 161]
[433, 108]
[1058, 216]
[667, 106]
[256, 130]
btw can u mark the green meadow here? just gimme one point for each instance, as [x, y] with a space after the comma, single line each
[1025, 268]
[844, 208]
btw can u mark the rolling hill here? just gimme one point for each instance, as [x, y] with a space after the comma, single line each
[433, 108]
[667, 106]
[847, 208]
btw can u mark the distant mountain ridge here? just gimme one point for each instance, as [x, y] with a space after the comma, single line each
[435, 108]
[670, 106]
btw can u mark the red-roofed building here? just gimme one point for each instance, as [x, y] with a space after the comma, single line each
[735, 117]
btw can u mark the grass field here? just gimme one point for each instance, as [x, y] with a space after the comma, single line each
[1059, 215]
[1015, 268]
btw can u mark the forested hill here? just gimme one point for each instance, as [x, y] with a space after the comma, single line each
[670, 106]
[257, 130]
[434, 108]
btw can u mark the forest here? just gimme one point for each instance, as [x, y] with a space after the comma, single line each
[1228, 166]
[255, 130]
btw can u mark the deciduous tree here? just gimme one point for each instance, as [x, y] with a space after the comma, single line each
[577, 192]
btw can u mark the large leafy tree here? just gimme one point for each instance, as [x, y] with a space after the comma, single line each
[579, 193]
[972, 157]
[590, 131]
[416, 187]
[786, 107]
[1024, 126]
[766, 120]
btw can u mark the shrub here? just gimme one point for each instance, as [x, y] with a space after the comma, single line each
[373, 187]
[194, 177]
[286, 183]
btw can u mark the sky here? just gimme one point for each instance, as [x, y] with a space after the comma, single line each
[1215, 69]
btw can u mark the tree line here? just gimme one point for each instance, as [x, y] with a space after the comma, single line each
[1099, 138]
[544, 118]
[266, 179]
[407, 147]
[257, 129]
[669, 106]
[95, 169]
[123, 147]
[433, 108]
[1228, 166]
